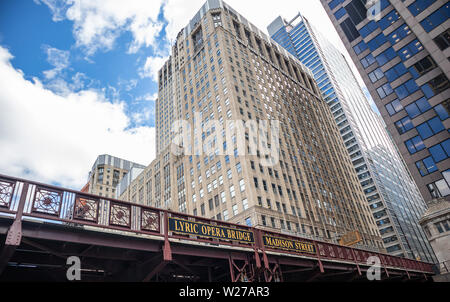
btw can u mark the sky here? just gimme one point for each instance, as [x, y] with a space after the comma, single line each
[77, 77]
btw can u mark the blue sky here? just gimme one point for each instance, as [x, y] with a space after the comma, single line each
[77, 77]
[28, 31]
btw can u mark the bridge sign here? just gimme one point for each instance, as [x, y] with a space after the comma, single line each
[186, 227]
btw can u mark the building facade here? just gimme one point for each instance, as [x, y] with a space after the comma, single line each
[436, 223]
[391, 193]
[224, 70]
[401, 51]
[106, 174]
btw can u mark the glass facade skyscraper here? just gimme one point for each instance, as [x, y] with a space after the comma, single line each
[391, 193]
[402, 54]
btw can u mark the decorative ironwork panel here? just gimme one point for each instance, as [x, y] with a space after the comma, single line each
[358, 257]
[365, 256]
[47, 201]
[86, 209]
[331, 251]
[6, 193]
[149, 221]
[388, 260]
[349, 254]
[120, 215]
[340, 253]
[321, 249]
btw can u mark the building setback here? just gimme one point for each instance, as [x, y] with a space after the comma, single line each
[224, 69]
[402, 55]
[106, 174]
[392, 195]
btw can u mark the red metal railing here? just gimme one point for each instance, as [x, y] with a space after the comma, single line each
[23, 198]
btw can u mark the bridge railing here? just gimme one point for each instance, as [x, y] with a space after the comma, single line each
[22, 198]
[72, 208]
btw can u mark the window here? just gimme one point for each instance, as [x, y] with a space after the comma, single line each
[223, 197]
[349, 29]
[430, 128]
[426, 166]
[225, 215]
[397, 35]
[440, 188]
[436, 86]
[436, 18]
[389, 19]
[357, 11]
[334, 3]
[395, 72]
[235, 209]
[360, 47]
[422, 67]
[418, 107]
[242, 185]
[404, 125]
[340, 13]
[406, 89]
[443, 40]
[443, 226]
[442, 110]
[376, 75]
[440, 151]
[245, 204]
[386, 56]
[232, 192]
[409, 50]
[415, 145]
[419, 6]
[394, 107]
[376, 42]
[385, 90]
[238, 168]
[368, 28]
[367, 61]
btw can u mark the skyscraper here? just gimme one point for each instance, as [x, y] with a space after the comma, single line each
[225, 72]
[391, 193]
[106, 174]
[401, 51]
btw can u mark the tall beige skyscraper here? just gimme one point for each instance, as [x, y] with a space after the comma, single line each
[260, 145]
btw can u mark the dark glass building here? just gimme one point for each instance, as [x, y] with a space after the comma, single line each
[401, 50]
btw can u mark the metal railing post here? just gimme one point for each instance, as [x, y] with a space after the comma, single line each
[167, 251]
[14, 235]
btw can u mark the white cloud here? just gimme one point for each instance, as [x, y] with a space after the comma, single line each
[51, 138]
[59, 59]
[57, 7]
[149, 97]
[151, 67]
[98, 23]
[143, 116]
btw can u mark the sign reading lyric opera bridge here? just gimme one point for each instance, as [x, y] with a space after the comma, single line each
[181, 226]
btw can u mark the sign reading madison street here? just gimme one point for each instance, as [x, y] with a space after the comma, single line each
[290, 245]
[211, 231]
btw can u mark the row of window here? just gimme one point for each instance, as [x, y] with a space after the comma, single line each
[440, 188]
[436, 18]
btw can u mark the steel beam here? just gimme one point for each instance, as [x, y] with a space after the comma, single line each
[155, 271]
